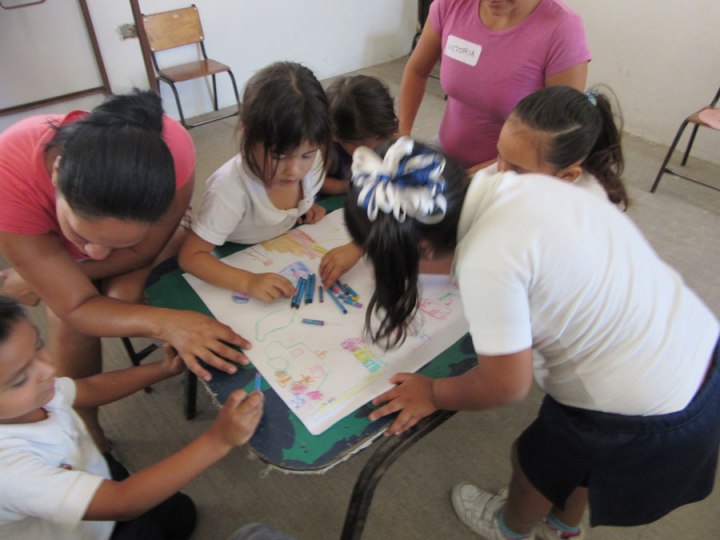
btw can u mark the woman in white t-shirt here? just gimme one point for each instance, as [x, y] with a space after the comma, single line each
[270, 185]
[631, 419]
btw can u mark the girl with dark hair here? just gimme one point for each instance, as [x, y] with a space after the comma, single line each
[567, 134]
[270, 185]
[362, 114]
[90, 202]
[631, 419]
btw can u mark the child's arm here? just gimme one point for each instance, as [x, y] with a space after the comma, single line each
[140, 492]
[334, 186]
[337, 261]
[110, 386]
[496, 380]
[196, 258]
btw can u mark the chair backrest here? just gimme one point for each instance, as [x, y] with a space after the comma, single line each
[174, 28]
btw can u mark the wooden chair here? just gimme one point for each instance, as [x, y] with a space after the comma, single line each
[178, 28]
[697, 121]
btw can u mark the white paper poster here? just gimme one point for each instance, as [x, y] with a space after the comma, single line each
[325, 372]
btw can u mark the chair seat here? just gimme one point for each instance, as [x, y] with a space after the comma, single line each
[707, 117]
[193, 70]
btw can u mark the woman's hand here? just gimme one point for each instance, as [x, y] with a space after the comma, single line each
[337, 261]
[268, 287]
[313, 215]
[15, 286]
[412, 397]
[198, 337]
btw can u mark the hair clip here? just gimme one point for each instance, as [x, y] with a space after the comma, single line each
[402, 184]
[591, 95]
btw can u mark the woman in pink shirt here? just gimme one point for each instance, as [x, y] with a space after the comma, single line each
[90, 201]
[494, 53]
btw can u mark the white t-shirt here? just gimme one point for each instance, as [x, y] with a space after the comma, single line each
[49, 473]
[236, 206]
[543, 264]
[585, 181]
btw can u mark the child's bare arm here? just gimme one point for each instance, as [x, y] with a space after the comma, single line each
[121, 501]
[334, 186]
[110, 386]
[196, 258]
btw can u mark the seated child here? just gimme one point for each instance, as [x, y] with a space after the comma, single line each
[557, 131]
[270, 185]
[362, 114]
[55, 484]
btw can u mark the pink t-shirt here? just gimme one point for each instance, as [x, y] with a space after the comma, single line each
[486, 73]
[27, 204]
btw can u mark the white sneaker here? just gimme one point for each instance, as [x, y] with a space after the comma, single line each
[478, 509]
[545, 531]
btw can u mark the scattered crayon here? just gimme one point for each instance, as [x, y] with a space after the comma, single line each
[316, 322]
[320, 294]
[337, 301]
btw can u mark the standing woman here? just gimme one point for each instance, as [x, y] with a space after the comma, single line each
[89, 202]
[493, 53]
[628, 355]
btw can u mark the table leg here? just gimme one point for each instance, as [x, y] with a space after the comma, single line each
[191, 396]
[390, 449]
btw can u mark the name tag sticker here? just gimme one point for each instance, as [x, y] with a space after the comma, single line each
[462, 50]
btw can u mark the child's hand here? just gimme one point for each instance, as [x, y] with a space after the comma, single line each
[172, 363]
[337, 261]
[315, 214]
[269, 287]
[412, 396]
[238, 418]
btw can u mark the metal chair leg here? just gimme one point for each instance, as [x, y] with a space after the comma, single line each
[177, 101]
[389, 450]
[215, 96]
[689, 145]
[663, 168]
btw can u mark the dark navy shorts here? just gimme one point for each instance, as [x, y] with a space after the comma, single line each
[636, 468]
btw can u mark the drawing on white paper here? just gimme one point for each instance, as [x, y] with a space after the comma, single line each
[325, 372]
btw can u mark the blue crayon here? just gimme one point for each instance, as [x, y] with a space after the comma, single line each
[310, 289]
[316, 322]
[320, 294]
[337, 301]
[302, 283]
[294, 297]
[258, 381]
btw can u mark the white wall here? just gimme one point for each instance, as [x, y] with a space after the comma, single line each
[328, 36]
[661, 58]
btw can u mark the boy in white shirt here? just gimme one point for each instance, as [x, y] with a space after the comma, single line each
[54, 482]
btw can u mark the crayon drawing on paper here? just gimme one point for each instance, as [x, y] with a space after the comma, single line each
[325, 372]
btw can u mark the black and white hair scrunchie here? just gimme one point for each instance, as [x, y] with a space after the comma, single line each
[401, 183]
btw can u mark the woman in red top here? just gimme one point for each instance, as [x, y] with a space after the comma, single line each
[90, 201]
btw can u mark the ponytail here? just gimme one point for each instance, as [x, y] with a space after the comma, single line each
[605, 160]
[415, 196]
[580, 127]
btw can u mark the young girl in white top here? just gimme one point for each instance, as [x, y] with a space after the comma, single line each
[630, 424]
[557, 131]
[270, 185]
